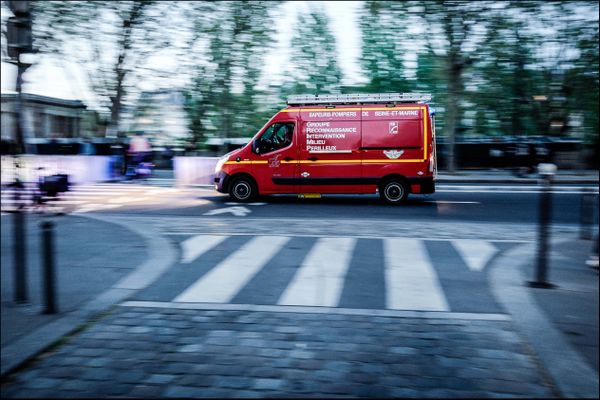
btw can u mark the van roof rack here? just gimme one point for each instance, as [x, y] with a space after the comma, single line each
[358, 98]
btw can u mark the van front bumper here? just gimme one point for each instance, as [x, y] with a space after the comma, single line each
[220, 181]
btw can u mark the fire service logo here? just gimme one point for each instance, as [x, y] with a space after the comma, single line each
[274, 162]
[393, 154]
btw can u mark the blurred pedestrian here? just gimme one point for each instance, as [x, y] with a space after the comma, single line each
[139, 150]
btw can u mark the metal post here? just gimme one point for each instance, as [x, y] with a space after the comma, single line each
[19, 217]
[48, 265]
[20, 267]
[541, 272]
[586, 214]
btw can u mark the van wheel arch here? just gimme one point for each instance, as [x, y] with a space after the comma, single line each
[394, 189]
[238, 179]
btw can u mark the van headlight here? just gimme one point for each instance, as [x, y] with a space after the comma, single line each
[220, 164]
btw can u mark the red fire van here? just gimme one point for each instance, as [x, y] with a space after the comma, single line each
[352, 143]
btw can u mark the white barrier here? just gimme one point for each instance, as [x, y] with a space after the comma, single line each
[80, 168]
[194, 170]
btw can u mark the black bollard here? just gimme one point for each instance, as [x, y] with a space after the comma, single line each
[541, 272]
[20, 268]
[48, 265]
[586, 217]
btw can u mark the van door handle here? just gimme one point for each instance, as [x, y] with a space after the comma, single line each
[288, 159]
[312, 158]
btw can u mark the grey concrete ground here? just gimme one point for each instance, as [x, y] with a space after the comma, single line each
[145, 349]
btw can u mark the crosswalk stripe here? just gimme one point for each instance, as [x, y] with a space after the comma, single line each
[320, 278]
[475, 252]
[411, 281]
[195, 246]
[222, 282]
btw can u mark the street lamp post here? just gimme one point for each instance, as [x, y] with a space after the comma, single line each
[19, 41]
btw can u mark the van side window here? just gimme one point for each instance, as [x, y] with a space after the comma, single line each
[276, 136]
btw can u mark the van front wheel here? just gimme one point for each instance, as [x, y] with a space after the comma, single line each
[243, 190]
[393, 191]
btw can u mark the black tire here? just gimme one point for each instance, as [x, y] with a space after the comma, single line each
[242, 189]
[393, 191]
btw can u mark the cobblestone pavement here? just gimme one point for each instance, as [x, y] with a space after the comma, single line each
[149, 352]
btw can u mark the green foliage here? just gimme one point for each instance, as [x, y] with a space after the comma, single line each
[221, 98]
[313, 66]
[382, 26]
[111, 40]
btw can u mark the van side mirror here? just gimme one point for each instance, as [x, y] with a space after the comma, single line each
[255, 146]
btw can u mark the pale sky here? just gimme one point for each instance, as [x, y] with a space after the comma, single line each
[56, 78]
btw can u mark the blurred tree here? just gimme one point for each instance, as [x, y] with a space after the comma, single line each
[313, 65]
[111, 40]
[382, 23]
[231, 36]
[455, 31]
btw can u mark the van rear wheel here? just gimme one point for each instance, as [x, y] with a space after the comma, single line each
[243, 189]
[393, 191]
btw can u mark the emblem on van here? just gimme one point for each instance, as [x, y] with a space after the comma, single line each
[393, 154]
[274, 162]
[393, 128]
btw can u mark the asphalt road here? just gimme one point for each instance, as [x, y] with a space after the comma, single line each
[473, 203]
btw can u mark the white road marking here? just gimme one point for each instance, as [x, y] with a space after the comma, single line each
[475, 252]
[94, 207]
[222, 282]
[238, 211]
[320, 278]
[411, 280]
[451, 202]
[131, 199]
[232, 203]
[195, 246]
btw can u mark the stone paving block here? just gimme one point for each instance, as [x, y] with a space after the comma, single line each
[131, 376]
[404, 350]
[98, 362]
[43, 383]
[233, 382]
[190, 348]
[196, 380]
[139, 329]
[159, 379]
[272, 353]
[302, 354]
[404, 393]
[98, 374]
[63, 372]
[309, 365]
[247, 394]
[265, 372]
[267, 384]
[71, 360]
[145, 391]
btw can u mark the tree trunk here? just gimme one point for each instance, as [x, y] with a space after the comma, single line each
[451, 115]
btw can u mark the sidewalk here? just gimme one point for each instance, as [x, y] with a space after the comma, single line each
[91, 256]
[570, 177]
[560, 323]
[543, 347]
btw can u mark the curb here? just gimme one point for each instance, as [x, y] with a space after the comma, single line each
[520, 181]
[571, 374]
[160, 256]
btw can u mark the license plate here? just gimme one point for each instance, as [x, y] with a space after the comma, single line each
[310, 196]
